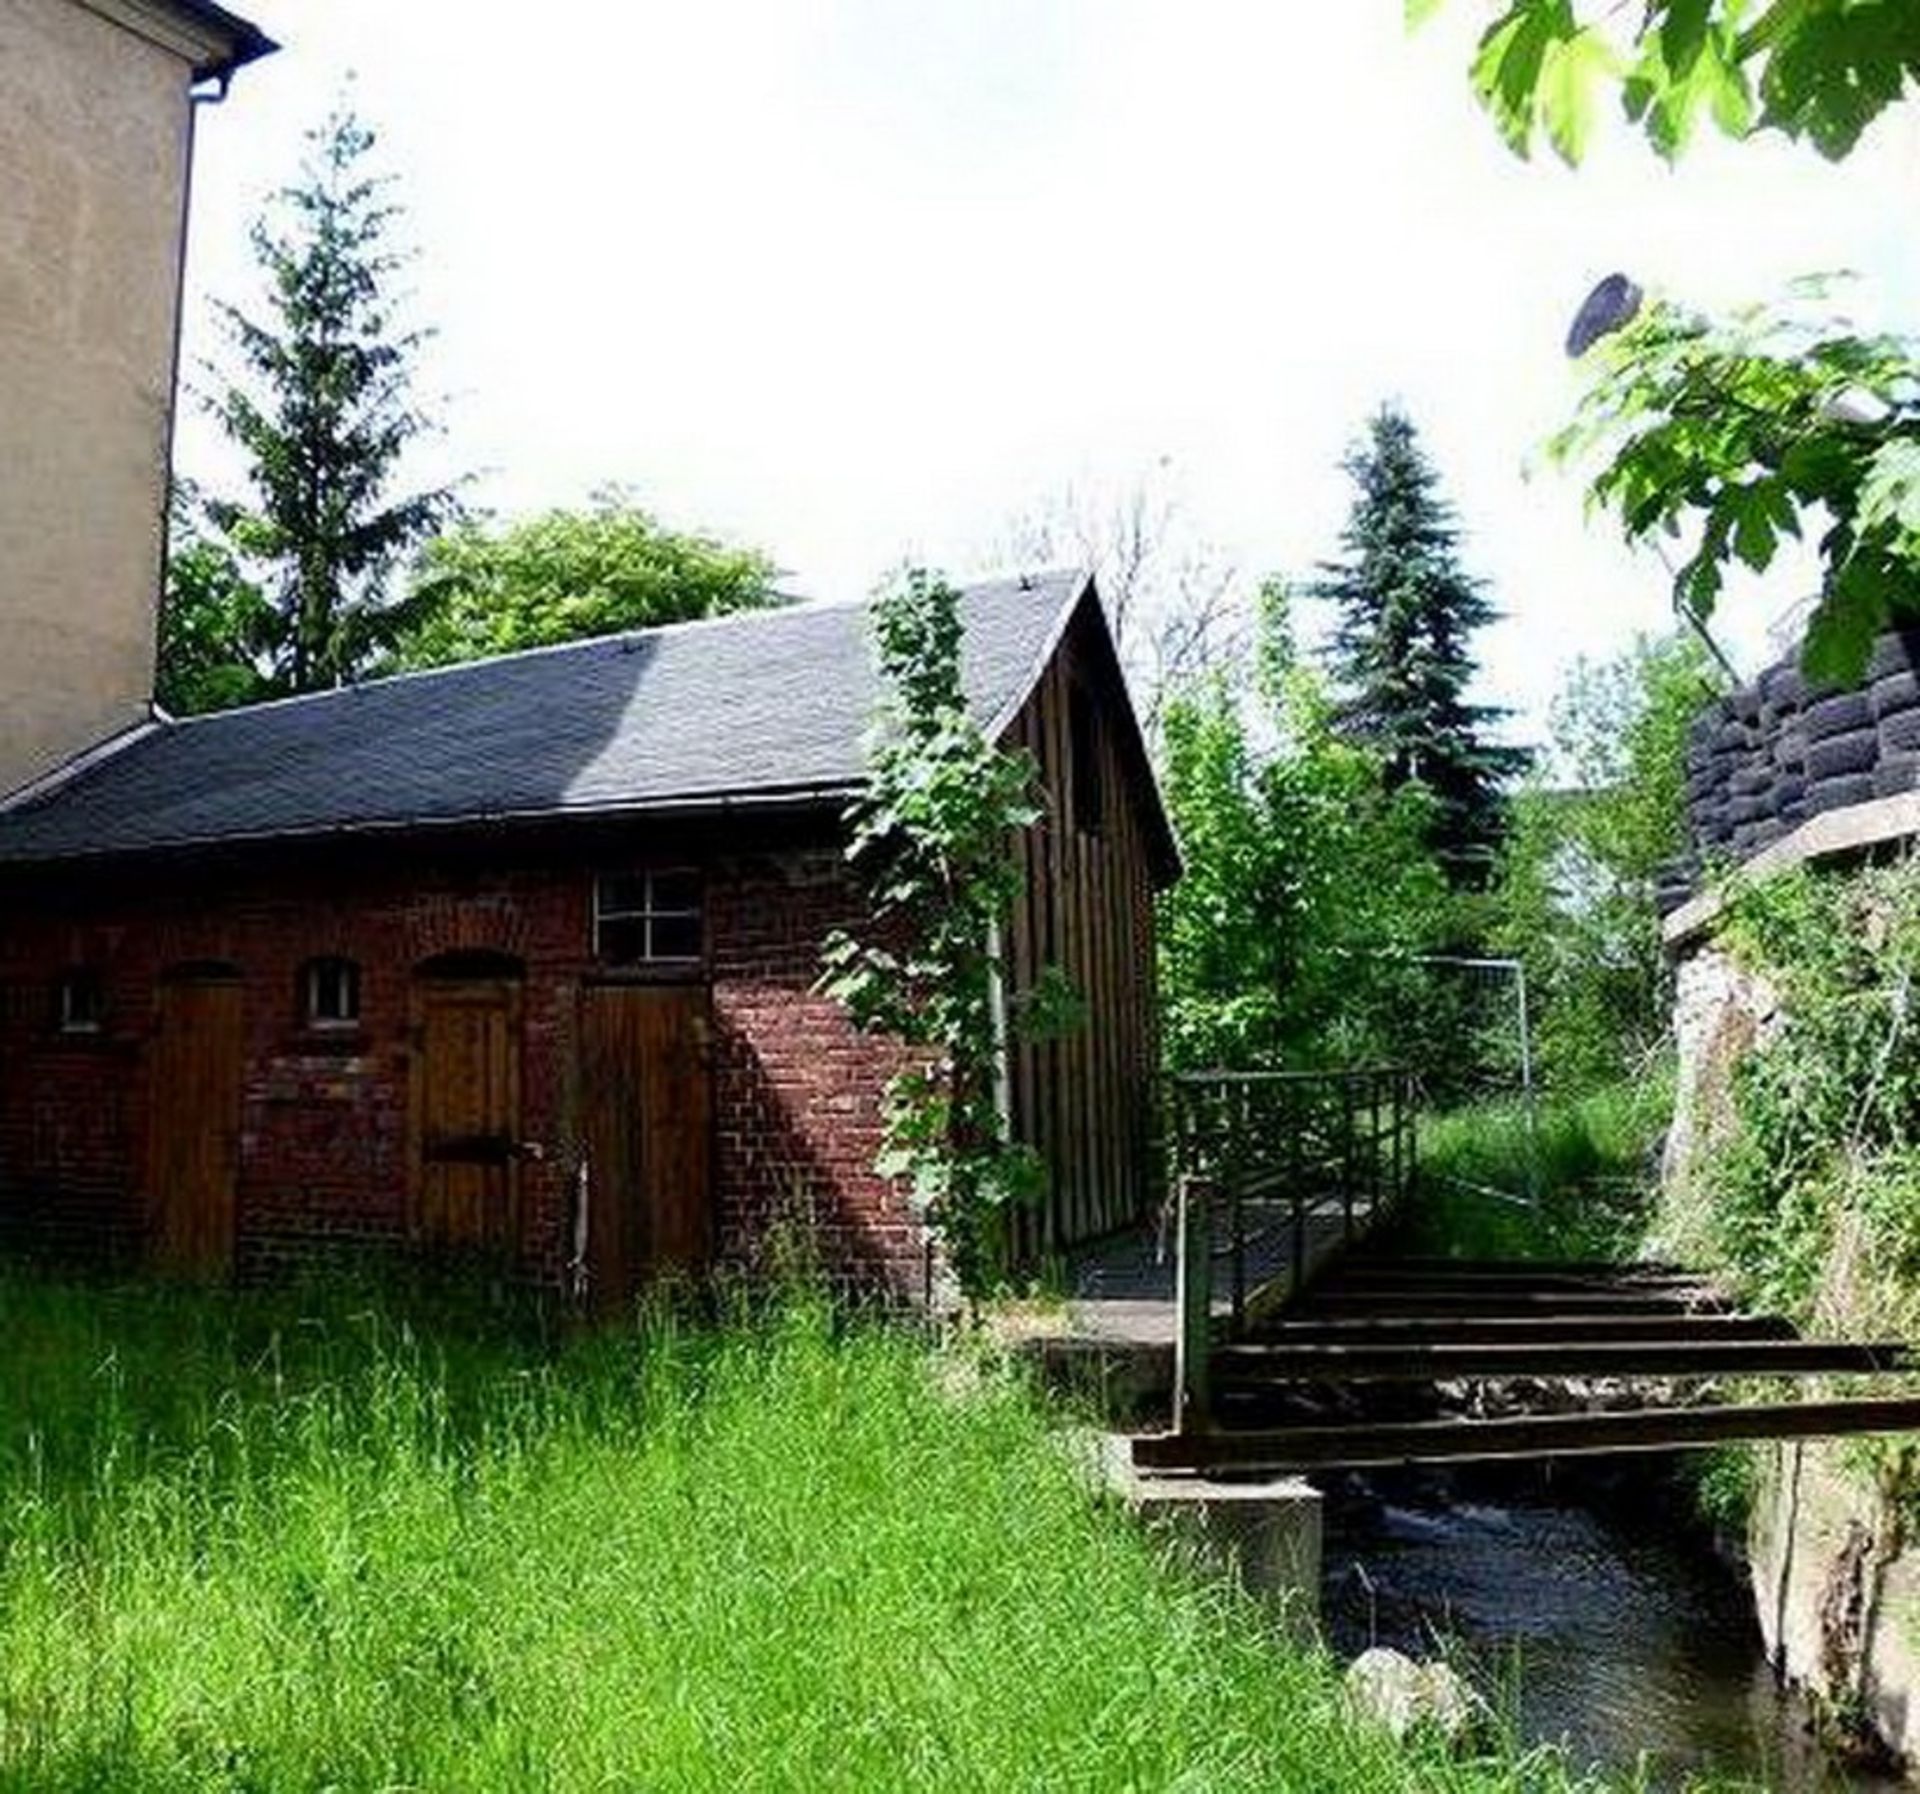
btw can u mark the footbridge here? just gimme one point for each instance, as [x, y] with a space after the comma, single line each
[1285, 1310]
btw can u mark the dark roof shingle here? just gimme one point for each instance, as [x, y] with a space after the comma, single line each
[759, 706]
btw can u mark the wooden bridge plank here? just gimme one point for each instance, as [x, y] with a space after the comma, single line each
[1414, 1304]
[1423, 1362]
[1579, 1267]
[1516, 1329]
[1382, 1281]
[1380, 1446]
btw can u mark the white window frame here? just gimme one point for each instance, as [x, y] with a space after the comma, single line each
[72, 980]
[649, 912]
[310, 975]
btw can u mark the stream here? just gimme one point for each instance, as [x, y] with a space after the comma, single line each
[1594, 1621]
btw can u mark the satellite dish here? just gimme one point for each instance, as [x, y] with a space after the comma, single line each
[1611, 306]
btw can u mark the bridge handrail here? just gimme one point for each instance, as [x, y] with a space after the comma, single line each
[1328, 1075]
[1223, 1164]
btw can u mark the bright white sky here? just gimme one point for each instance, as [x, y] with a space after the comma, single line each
[856, 279]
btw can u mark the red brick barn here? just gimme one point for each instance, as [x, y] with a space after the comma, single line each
[518, 959]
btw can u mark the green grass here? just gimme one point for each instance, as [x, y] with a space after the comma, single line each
[287, 1542]
[1575, 1181]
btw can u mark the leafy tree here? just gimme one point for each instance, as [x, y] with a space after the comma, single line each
[1402, 647]
[1309, 892]
[1822, 70]
[323, 414]
[933, 839]
[1575, 899]
[1744, 430]
[216, 625]
[565, 575]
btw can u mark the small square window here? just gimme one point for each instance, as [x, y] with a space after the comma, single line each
[80, 1001]
[622, 894]
[674, 893]
[673, 937]
[651, 918]
[623, 940]
[330, 991]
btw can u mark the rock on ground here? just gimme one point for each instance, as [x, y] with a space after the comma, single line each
[1406, 1696]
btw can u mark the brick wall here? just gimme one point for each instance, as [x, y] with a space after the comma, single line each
[798, 1090]
[324, 1127]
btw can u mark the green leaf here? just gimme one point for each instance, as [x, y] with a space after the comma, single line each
[1571, 70]
[1839, 642]
[1761, 512]
[1833, 69]
[1890, 493]
[1420, 11]
[1508, 67]
[1729, 97]
[1683, 34]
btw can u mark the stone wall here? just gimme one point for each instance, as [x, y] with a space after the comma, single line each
[1720, 1010]
[1836, 1592]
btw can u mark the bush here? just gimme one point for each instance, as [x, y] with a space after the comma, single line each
[1822, 1162]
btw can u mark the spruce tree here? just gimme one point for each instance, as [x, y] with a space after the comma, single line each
[1402, 651]
[323, 413]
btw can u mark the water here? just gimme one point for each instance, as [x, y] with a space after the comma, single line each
[1601, 1625]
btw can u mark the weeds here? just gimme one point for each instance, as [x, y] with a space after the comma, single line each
[300, 1542]
[1573, 1180]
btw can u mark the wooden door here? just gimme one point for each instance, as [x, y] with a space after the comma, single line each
[195, 1076]
[466, 1107]
[646, 1109]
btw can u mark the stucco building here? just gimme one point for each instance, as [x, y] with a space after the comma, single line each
[96, 139]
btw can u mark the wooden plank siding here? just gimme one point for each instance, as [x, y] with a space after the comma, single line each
[1085, 1101]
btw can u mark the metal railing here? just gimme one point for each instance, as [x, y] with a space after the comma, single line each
[1272, 1173]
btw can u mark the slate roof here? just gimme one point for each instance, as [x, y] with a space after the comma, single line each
[763, 707]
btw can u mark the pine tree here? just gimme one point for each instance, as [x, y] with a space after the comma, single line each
[324, 416]
[1402, 650]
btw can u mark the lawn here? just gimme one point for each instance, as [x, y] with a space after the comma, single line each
[288, 1542]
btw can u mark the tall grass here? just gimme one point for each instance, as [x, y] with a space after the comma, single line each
[291, 1542]
[1575, 1179]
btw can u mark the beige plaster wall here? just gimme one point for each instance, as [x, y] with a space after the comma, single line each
[94, 140]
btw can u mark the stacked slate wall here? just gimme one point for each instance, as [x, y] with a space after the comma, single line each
[1767, 757]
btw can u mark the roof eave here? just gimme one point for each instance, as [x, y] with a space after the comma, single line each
[246, 42]
[779, 800]
[211, 40]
